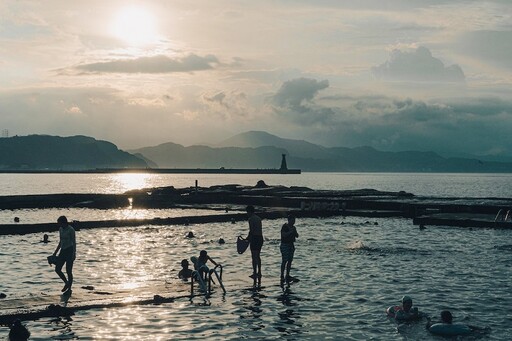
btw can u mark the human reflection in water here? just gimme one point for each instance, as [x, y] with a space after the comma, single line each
[254, 314]
[288, 319]
[62, 325]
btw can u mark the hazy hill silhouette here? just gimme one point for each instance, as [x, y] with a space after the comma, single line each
[257, 149]
[297, 148]
[248, 150]
[39, 152]
[172, 155]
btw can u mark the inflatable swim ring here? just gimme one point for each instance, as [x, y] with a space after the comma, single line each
[391, 311]
[446, 329]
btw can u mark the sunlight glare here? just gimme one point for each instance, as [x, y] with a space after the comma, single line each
[135, 26]
[130, 181]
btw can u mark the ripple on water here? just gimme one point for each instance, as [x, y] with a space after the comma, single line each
[343, 292]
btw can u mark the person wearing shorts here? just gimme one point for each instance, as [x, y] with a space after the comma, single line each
[255, 239]
[288, 236]
[67, 255]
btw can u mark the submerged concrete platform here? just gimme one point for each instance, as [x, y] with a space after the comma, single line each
[271, 202]
[461, 220]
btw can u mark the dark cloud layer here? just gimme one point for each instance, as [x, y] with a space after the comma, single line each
[417, 66]
[451, 127]
[155, 64]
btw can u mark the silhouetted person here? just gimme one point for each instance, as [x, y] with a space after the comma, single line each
[190, 234]
[405, 312]
[67, 255]
[288, 236]
[185, 273]
[18, 332]
[255, 238]
[200, 265]
[16, 219]
[45, 238]
[447, 328]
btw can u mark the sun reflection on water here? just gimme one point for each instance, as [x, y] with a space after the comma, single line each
[130, 181]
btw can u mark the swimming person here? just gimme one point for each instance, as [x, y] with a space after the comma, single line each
[255, 238]
[405, 312]
[447, 328]
[18, 332]
[67, 255]
[45, 239]
[288, 236]
[185, 273]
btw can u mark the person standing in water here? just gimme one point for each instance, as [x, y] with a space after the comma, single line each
[255, 238]
[67, 255]
[288, 236]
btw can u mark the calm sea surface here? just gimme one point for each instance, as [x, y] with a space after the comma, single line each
[350, 269]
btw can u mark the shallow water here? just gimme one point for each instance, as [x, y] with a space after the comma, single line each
[34, 216]
[350, 271]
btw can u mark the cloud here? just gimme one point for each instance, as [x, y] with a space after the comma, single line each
[154, 64]
[227, 105]
[217, 98]
[479, 126]
[295, 99]
[295, 91]
[74, 110]
[492, 47]
[417, 66]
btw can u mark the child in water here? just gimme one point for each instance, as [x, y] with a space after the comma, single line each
[405, 312]
[185, 273]
[200, 265]
[202, 269]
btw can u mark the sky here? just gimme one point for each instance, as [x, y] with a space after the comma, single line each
[396, 75]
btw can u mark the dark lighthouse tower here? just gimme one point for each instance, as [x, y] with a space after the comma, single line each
[284, 167]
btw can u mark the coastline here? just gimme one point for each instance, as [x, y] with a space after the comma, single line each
[157, 171]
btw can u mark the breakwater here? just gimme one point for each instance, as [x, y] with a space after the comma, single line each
[272, 202]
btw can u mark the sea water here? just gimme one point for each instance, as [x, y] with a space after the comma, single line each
[350, 269]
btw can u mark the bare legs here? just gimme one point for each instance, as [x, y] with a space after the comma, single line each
[256, 263]
[68, 282]
[285, 265]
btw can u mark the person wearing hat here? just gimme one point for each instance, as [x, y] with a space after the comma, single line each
[404, 312]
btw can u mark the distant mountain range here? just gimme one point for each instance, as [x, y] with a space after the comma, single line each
[257, 149]
[43, 152]
[254, 149]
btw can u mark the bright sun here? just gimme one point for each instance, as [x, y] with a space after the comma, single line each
[134, 25]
